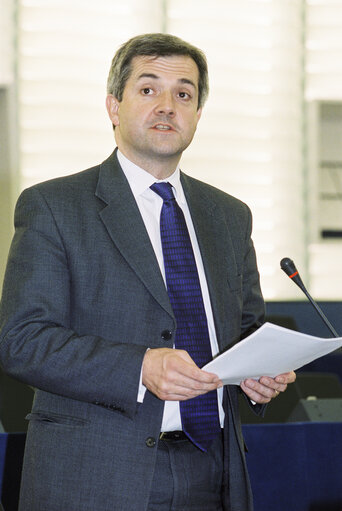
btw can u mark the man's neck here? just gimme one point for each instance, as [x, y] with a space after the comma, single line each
[159, 168]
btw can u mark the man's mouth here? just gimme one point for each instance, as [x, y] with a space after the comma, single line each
[162, 127]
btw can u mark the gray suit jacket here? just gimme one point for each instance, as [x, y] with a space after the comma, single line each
[83, 299]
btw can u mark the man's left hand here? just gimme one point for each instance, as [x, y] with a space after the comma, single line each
[267, 388]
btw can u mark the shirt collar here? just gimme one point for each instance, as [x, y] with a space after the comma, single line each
[140, 180]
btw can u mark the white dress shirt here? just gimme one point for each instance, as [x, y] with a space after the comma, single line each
[150, 204]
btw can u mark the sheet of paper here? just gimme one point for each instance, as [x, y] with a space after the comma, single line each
[269, 351]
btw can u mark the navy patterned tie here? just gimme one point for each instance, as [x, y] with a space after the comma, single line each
[200, 418]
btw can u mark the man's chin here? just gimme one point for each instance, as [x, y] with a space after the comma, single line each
[166, 154]
[167, 149]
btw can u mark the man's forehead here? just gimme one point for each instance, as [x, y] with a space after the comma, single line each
[181, 66]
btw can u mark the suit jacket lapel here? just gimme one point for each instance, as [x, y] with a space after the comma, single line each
[126, 228]
[216, 250]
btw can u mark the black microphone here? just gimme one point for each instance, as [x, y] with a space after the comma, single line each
[288, 266]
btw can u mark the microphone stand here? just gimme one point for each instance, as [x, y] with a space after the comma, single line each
[321, 313]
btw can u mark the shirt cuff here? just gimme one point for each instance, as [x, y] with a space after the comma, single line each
[141, 389]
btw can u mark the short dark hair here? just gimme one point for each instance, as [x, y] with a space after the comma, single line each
[158, 45]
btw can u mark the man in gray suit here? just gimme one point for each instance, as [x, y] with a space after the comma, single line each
[86, 317]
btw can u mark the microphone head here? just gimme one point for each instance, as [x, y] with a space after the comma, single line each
[288, 266]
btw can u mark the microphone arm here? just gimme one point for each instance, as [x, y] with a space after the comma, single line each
[288, 266]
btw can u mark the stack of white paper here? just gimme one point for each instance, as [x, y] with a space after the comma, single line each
[269, 351]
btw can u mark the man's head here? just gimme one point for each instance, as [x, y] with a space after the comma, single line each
[155, 45]
[156, 88]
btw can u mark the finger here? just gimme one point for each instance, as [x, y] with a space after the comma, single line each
[286, 378]
[173, 391]
[187, 387]
[254, 395]
[258, 392]
[197, 375]
[180, 393]
[280, 382]
[267, 388]
[193, 371]
[273, 384]
[195, 385]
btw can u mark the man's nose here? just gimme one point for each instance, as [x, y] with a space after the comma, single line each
[165, 104]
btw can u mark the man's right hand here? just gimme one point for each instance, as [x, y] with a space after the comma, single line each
[172, 375]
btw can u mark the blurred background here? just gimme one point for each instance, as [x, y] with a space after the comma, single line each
[271, 132]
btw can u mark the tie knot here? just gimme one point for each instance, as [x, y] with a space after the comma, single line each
[164, 190]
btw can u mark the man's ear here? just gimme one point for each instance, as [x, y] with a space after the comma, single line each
[199, 113]
[112, 105]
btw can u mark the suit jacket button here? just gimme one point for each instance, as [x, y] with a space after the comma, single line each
[150, 441]
[166, 335]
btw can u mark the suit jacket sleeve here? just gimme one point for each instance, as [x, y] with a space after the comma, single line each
[37, 342]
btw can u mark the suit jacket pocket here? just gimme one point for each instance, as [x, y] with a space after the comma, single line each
[56, 419]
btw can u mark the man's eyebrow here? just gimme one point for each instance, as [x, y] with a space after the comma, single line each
[156, 77]
[148, 75]
[187, 81]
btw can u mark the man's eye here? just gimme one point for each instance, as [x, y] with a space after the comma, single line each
[146, 91]
[184, 95]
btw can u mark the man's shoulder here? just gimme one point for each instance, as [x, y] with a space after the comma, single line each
[75, 184]
[216, 195]
[78, 180]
